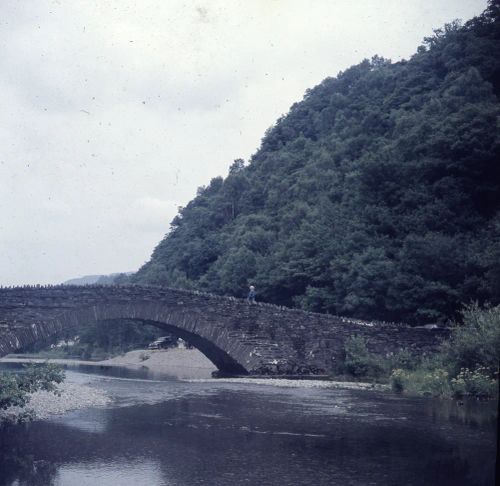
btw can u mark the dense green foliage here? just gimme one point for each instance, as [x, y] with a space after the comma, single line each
[359, 363]
[108, 338]
[16, 388]
[466, 364]
[377, 196]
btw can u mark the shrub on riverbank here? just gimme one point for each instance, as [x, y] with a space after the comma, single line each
[439, 383]
[358, 362]
[422, 381]
[475, 344]
[16, 388]
[474, 383]
[465, 365]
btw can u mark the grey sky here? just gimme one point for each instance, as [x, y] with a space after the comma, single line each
[114, 112]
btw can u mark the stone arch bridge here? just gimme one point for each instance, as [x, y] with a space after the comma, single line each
[238, 337]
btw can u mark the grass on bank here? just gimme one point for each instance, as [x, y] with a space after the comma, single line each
[464, 365]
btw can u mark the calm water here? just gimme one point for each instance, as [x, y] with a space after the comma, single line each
[169, 432]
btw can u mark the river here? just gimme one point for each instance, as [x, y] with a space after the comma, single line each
[159, 430]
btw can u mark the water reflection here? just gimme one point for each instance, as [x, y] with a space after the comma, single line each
[135, 473]
[232, 434]
[470, 412]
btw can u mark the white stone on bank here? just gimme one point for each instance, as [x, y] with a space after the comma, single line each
[72, 397]
[289, 383]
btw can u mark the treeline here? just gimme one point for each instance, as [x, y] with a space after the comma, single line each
[100, 340]
[377, 196]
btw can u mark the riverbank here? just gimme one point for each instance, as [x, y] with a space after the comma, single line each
[181, 363]
[185, 364]
[176, 361]
[192, 366]
[298, 383]
[71, 396]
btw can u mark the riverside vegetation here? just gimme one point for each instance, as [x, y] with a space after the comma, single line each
[16, 389]
[465, 365]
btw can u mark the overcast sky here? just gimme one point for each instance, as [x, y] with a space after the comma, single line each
[114, 112]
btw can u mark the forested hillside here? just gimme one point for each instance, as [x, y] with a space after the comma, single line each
[376, 196]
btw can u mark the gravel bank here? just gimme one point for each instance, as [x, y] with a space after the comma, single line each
[163, 361]
[73, 397]
[287, 383]
[181, 363]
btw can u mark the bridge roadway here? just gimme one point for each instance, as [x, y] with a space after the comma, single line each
[238, 337]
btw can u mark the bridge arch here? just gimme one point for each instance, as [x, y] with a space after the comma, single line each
[179, 324]
[221, 360]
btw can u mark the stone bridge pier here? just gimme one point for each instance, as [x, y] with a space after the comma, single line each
[238, 337]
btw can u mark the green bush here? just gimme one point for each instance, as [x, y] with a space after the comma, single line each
[475, 383]
[421, 382]
[476, 342]
[16, 388]
[398, 380]
[434, 383]
[402, 359]
[465, 365]
[359, 362]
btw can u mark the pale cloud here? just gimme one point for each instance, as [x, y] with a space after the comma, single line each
[113, 113]
[151, 214]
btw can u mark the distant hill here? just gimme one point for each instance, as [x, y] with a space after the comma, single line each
[97, 279]
[376, 196]
[86, 280]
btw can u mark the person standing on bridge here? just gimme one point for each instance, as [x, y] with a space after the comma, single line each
[251, 295]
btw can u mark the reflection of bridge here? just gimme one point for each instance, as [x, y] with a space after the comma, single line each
[236, 336]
